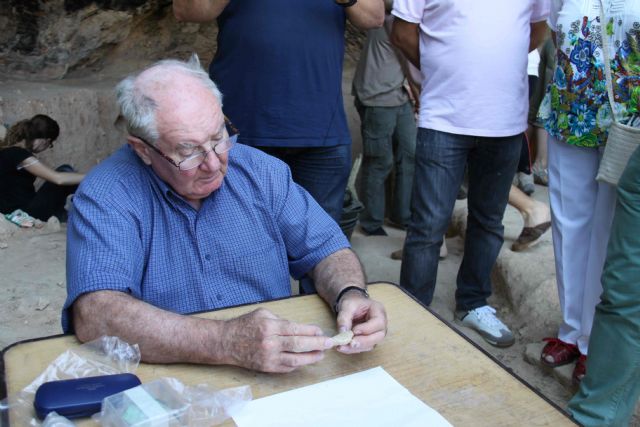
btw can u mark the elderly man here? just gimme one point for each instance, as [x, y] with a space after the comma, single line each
[469, 117]
[180, 220]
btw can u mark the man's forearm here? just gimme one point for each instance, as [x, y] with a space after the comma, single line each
[335, 272]
[366, 14]
[198, 10]
[406, 37]
[163, 337]
[539, 32]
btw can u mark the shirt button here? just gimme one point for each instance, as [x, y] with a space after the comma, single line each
[219, 297]
[207, 257]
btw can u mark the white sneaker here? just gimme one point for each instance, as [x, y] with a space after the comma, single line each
[484, 321]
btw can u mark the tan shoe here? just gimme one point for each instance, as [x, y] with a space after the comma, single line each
[530, 236]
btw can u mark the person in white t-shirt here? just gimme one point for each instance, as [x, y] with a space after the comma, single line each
[473, 111]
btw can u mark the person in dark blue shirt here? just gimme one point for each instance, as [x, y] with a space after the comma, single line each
[182, 220]
[279, 63]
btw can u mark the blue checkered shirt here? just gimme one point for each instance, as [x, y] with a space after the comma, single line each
[130, 232]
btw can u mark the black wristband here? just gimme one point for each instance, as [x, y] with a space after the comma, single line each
[347, 289]
[347, 3]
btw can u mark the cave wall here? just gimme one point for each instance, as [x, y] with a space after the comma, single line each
[54, 39]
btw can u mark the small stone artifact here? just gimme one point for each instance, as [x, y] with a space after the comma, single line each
[343, 338]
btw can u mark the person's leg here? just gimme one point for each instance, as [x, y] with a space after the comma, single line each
[539, 168]
[50, 199]
[492, 164]
[609, 391]
[533, 211]
[524, 161]
[523, 175]
[536, 216]
[572, 194]
[545, 72]
[439, 169]
[378, 124]
[405, 158]
[603, 211]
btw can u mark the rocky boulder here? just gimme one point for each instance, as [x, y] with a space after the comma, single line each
[69, 38]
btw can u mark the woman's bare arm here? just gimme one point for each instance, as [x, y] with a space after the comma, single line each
[39, 169]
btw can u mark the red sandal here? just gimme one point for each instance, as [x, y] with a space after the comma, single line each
[558, 353]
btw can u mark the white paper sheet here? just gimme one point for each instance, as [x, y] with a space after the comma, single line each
[370, 398]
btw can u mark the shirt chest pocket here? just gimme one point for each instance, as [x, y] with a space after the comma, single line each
[257, 263]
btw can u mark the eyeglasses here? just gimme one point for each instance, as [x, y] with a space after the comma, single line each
[195, 160]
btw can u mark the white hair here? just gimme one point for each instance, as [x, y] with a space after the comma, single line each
[134, 97]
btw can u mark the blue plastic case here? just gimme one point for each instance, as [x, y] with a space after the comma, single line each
[81, 397]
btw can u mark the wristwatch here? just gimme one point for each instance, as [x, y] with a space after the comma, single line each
[346, 3]
[344, 291]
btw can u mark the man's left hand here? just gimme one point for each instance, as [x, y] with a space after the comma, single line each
[366, 318]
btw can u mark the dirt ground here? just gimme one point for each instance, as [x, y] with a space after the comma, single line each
[32, 279]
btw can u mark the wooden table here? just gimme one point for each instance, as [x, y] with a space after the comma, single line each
[437, 364]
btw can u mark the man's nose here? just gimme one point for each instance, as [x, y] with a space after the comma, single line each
[211, 161]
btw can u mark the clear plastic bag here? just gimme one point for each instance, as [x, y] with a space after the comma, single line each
[55, 420]
[103, 356]
[175, 403]
[168, 402]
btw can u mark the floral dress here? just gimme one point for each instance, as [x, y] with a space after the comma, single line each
[576, 108]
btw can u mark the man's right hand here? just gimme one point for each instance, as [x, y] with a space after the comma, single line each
[262, 341]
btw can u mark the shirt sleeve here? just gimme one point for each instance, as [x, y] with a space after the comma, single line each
[309, 233]
[409, 10]
[556, 6]
[540, 10]
[103, 252]
[12, 157]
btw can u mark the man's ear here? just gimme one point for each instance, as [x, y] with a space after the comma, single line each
[140, 148]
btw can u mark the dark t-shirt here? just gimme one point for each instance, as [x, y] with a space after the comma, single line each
[279, 68]
[16, 186]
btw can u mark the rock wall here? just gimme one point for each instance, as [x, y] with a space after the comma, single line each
[44, 40]
[84, 110]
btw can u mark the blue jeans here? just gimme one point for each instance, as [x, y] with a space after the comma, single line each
[440, 162]
[323, 172]
[388, 139]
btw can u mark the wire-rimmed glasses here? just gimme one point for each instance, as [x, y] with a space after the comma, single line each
[195, 160]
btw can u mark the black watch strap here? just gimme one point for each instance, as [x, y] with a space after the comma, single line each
[346, 3]
[344, 291]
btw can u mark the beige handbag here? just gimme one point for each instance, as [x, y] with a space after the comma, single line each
[622, 140]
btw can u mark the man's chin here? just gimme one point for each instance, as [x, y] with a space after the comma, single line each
[205, 190]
